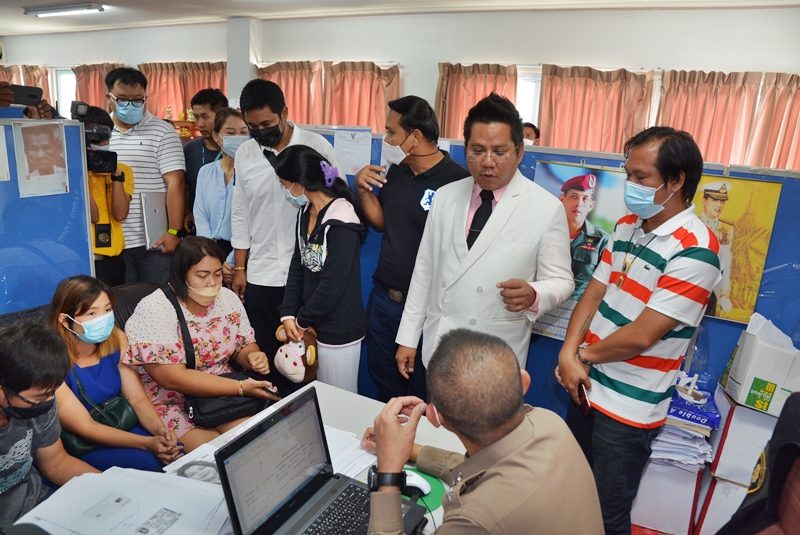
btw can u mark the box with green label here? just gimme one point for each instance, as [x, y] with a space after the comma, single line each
[760, 375]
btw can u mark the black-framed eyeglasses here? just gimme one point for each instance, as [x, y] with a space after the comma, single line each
[26, 400]
[124, 102]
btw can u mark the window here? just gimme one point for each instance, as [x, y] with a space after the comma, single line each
[529, 84]
[65, 91]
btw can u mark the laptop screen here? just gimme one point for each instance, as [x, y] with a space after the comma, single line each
[280, 457]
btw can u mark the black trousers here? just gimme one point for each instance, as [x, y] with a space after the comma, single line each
[261, 304]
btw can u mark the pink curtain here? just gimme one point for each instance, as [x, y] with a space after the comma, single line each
[715, 108]
[301, 82]
[90, 82]
[461, 86]
[357, 93]
[164, 88]
[37, 76]
[202, 75]
[775, 140]
[10, 74]
[582, 108]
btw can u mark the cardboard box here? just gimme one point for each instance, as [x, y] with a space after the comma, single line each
[760, 375]
[740, 439]
[719, 499]
[667, 499]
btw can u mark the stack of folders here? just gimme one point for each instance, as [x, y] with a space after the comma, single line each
[691, 418]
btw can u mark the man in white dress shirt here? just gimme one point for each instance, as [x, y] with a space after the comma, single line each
[262, 221]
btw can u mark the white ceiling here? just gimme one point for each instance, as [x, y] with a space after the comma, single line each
[137, 13]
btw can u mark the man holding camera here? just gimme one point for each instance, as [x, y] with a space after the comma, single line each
[111, 187]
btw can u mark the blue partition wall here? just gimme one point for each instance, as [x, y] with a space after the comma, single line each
[42, 239]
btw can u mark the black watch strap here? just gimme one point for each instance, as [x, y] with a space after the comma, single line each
[377, 479]
[118, 177]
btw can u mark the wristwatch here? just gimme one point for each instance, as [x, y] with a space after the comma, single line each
[376, 480]
[118, 177]
[579, 355]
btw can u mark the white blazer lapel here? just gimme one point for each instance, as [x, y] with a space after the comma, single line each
[494, 227]
[460, 210]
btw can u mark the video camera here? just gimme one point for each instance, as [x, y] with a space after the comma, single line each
[97, 161]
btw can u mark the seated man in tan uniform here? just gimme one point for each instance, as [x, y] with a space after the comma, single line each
[523, 467]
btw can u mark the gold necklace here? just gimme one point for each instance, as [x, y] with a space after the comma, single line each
[626, 264]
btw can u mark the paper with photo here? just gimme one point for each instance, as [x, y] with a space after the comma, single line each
[41, 158]
[5, 173]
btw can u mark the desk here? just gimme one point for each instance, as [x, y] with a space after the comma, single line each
[348, 412]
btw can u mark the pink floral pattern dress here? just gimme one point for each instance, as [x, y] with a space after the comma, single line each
[155, 338]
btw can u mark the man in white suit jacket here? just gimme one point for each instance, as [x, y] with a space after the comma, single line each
[518, 267]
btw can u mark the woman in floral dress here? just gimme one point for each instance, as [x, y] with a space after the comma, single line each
[220, 332]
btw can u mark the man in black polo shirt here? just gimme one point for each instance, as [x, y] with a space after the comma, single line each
[399, 206]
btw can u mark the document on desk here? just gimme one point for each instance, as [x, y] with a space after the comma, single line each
[122, 501]
[347, 455]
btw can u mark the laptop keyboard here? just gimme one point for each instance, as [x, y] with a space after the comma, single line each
[347, 514]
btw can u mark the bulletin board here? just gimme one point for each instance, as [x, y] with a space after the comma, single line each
[778, 296]
[44, 228]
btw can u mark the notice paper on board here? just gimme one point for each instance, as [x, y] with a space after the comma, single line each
[41, 159]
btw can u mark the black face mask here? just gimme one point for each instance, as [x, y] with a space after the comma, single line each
[27, 413]
[267, 137]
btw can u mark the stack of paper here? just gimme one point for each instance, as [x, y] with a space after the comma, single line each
[122, 501]
[347, 456]
[683, 448]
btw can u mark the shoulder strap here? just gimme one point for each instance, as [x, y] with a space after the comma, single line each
[188, 347]
[110, 418]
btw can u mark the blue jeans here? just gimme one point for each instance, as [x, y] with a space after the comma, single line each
[383, 321]
[617, 454]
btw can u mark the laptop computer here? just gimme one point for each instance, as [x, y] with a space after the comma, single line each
[154, 213]
[278, 479]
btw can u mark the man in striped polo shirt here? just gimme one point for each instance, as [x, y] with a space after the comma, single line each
[629, 332]
[152, 148]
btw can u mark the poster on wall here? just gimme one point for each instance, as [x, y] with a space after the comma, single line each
[5, 174]
[593, 201]
[41, 161]
[741, 213]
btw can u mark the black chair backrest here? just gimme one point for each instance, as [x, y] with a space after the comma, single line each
[127, 296]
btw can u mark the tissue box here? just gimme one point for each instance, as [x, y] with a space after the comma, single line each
[739, 441]
[760, 375]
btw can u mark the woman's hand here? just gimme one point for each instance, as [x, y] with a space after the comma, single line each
[258, 362]
[259, 389]
[165, 446]
[227, 274]
[294, 332]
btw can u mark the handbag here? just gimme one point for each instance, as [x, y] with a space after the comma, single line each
[116, 412]
[211, 411]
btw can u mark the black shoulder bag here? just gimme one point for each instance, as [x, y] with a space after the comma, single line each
[211, 411]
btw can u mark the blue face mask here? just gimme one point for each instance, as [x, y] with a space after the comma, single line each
[230, 144]
[299, 201]
[129, 114]
[639, 200]
[95, 330]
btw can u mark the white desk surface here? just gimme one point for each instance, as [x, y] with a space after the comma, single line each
[349, 412]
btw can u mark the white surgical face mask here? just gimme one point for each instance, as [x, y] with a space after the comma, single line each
[528, 142]
[393, 154]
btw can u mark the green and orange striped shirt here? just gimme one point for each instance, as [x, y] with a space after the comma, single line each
[671, 270]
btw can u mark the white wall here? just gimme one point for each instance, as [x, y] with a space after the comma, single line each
[194, 42]
[727, 40]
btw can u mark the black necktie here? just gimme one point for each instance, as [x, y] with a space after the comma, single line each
[481, 217]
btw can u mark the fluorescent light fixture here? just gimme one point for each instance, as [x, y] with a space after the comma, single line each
[68, 9]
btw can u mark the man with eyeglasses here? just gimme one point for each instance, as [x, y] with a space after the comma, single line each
[495, 251]
[399, 205]
[152, 148]
[33, 363]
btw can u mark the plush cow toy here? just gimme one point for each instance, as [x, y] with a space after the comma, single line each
[297, 361]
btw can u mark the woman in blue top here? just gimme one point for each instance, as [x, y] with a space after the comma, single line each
[215, 181]
[82, 313]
